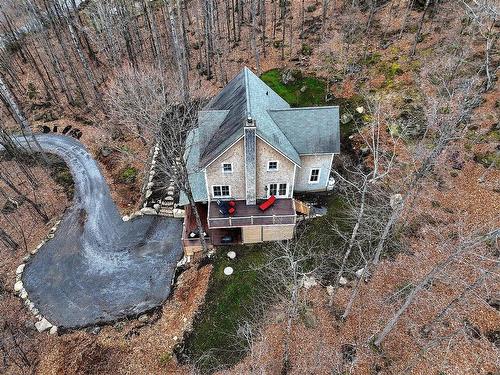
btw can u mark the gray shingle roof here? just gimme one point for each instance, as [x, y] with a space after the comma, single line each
[310, 130]
[292, 131]
[196, 175]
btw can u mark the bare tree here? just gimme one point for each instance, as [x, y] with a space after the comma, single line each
[464, 245]
[179, 120]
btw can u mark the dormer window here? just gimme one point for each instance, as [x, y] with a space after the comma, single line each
[272, 165]
[227, 167]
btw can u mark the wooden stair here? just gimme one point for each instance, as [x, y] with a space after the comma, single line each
[302, 207]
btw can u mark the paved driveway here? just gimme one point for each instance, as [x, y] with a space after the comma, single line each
[98, 268]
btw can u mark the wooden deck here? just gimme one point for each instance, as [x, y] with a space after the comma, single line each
[281, 212]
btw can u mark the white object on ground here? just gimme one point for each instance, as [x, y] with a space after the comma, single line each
[343, 281]
[231, 255]
[20, 269]
[43, 325]
[228, 271]
[359, 272]
[360, 109]
[308, 282]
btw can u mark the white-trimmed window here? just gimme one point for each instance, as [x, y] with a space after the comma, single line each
[314, 176]
[278, 190]
[227, 167]
[221, 191]
[272, 165]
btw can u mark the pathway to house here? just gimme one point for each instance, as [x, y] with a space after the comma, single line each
[98, 268]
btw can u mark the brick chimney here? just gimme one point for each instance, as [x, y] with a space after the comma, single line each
[250, 130]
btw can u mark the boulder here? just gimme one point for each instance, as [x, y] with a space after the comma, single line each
[329, 290]
[309, 282]
[396, 200]
[359, 272]
[343, 281]
[144, 318]
[126, 218]
[18, 286]
[345, 118]
[20, 269]
[178, 213]
[156, 207]
[106, 151]
[53, 330]
[148, 211]
[23, 294]
[303, 89]
[43, 325]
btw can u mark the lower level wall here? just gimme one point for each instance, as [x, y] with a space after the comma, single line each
[261, 233]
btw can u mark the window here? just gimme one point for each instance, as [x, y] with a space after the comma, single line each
[278, 190]
[272, 166]
[314, 177]
[221, 190]
[282, 190]
[227, 167]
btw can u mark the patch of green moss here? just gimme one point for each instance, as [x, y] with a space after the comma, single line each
[306, 49]
[313, 96]
[487, 159]
[128, 175]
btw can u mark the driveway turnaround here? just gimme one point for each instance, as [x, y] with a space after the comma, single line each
[98, 268]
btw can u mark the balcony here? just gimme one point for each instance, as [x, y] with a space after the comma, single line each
[281, 212]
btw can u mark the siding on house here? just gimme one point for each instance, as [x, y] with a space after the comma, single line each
[309, 162]
[284, 174]
[236, 179]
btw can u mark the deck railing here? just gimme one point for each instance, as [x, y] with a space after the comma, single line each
[239, 221]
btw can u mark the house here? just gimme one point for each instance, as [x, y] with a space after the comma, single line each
[249, 145]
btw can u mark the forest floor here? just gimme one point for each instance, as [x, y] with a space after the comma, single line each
[320, 343]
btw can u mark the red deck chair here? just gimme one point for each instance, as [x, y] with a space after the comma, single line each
[268, 203]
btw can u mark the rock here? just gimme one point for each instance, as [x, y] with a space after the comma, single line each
[50, 236]
[30, 305]
[178, 213]
[148, 211]
[175, 338]
[360, 109]
[125, 218]
[345, 118]
[43, 325]
[34, 251]
[228, 271]
[95, 330]
[35, 311]
[143, 318]
[396, 201]
[303, 89]
[156, 207]
[309, 282]
[148, 193]
[53, 330]
[364, 151]
[26, 258]
[329, 290]
[150, 185]
[18, 286]
[359, 272]
[343, 281]
[20, 269]
[106, 151]
[23, 294]
[231, 255]
[171, 188]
